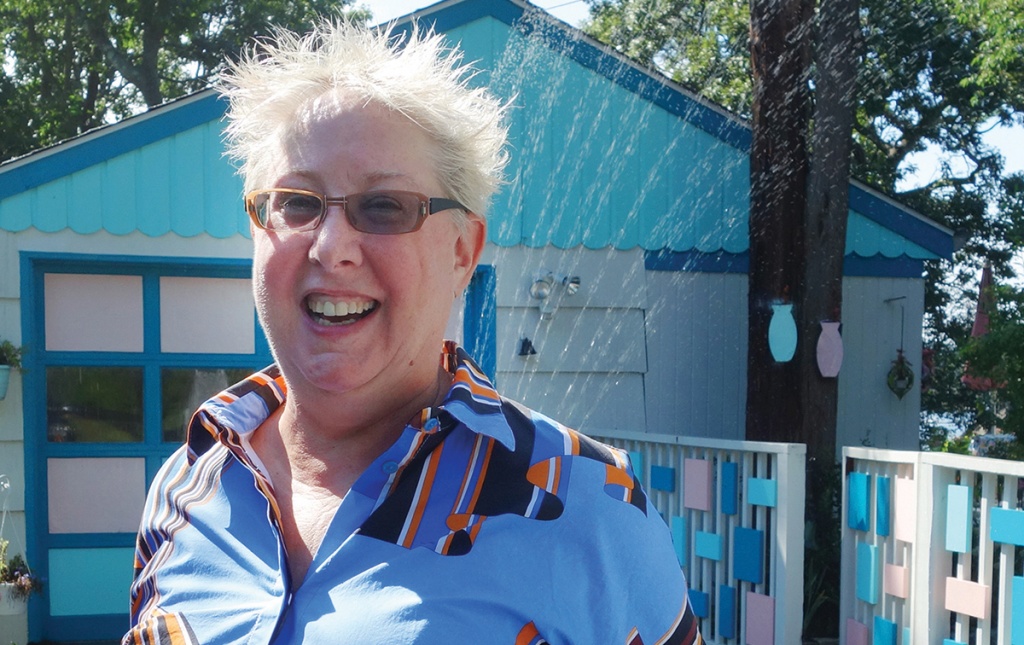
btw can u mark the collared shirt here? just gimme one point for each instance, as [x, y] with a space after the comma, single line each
[485, 522]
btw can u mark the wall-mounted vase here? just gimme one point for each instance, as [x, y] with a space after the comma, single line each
[782, 333]
[830, 349]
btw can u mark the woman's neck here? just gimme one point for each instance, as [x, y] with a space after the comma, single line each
[335, 436]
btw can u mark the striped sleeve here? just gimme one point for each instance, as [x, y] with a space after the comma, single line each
[161, 629]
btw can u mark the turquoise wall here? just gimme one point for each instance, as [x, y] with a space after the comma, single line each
[178, 184]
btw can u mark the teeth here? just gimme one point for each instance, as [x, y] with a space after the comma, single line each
[338, 308]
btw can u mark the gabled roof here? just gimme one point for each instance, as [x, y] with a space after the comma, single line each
[605, 154]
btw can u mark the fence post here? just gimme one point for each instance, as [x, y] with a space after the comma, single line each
[789, 544]
[931, 561]
[848, 554]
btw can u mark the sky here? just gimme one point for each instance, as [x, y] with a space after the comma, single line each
[1010, 141]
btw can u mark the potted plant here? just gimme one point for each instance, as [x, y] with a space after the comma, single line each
[17, 582]
[10, 358]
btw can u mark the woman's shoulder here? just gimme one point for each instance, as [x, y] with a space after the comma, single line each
[620, 549]
[565, 462]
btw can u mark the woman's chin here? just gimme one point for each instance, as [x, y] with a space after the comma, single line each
[327, 376]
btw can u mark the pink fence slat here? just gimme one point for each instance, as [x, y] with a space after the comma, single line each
[905, 510]
[760, 619]
[856, 632]
[896, 580]
[970, 598]
[697, 484]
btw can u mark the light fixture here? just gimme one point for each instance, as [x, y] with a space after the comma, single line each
[542, 286]
[572, 284]
[545, 288]
[526, 348]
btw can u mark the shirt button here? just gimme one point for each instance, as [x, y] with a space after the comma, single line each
[389, 467]
[431, 424]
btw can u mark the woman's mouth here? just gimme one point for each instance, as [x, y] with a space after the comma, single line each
[328, 311]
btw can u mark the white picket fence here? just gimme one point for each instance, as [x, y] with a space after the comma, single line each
[929, 549]
[736, 509]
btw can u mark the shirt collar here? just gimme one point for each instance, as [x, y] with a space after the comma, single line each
[240, 409]
[472, 398]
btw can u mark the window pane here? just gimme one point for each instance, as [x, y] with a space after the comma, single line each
[184, 390]
[94, 404]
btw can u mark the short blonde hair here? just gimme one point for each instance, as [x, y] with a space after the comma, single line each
[414, 74]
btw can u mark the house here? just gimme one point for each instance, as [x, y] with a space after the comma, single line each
[125, 262]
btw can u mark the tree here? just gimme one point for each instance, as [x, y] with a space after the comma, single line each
[72, 66]
[799, 169]
[704, 45]
[998, 356]
[781, 62]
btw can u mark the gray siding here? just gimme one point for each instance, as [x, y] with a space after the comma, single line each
[870, 414]
[591, 356]
[665, 352]
[697, 348]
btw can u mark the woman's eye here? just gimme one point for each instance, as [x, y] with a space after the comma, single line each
[380, 203]
[298, 207]
[301, 203]
[383, 209]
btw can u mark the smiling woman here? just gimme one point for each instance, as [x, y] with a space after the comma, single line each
[372, 486]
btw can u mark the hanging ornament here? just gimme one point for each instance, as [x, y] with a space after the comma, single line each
[782, 333]
[830, 349]
[901, 376]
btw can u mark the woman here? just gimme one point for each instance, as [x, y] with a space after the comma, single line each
[371, 486]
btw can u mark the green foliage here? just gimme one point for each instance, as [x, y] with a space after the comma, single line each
[73, 66]
[999, 355]
[10, 354]
[822, 549]
[15, 571]
[703, 45]
[998, 57]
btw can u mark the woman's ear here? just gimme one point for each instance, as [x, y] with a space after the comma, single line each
[469, 245]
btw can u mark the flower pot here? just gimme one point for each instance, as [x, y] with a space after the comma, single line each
[9, 604]
[5, 379]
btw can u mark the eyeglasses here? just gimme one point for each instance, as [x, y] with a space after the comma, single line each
[381, 212]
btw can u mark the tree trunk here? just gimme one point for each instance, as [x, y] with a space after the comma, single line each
[836, 56]
[780, 57]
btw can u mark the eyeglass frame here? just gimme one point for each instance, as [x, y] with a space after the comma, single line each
[428, 206]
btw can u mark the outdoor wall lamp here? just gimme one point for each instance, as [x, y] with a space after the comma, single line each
[526, 348]
[545, 288]
[542, 286]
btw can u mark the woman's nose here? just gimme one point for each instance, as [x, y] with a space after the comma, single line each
[335, 241]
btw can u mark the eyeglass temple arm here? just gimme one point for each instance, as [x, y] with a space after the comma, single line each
[438, 204]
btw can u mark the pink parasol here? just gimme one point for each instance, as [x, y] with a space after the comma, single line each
[986, 301]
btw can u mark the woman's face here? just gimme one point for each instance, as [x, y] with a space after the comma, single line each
[398, 288]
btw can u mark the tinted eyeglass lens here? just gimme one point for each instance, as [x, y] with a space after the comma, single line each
[282, 210]
[384, 212]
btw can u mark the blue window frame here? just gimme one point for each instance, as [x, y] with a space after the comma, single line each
[479, 328]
